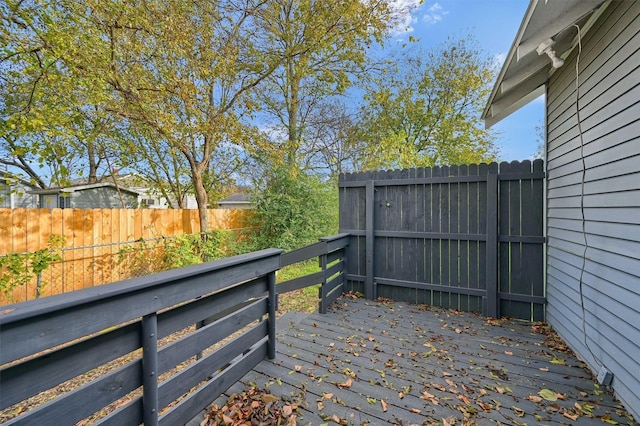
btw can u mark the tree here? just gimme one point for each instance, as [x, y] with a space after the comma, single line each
[330, 146]
[425, 110]
[178, 71]
[50, 126]
[293, 209]
[330, 41]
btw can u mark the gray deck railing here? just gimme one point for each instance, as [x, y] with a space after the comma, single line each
[46, 342]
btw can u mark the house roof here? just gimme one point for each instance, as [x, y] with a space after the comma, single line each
[10, 179]
[239, 198]
[76, 188]
[525, 71]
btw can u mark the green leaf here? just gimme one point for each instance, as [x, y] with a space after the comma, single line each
[548, 394]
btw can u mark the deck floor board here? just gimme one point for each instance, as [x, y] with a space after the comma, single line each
[427, 364]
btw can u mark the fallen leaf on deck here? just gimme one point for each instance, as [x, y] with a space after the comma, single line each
[346, 384]
[549, 395]
[571, 416]
[519, 411]
[429, 397]
[384, 405]
[534, 398]
[267, 398]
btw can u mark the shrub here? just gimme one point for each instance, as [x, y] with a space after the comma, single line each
[293, 209]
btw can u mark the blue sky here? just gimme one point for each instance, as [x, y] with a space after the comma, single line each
[494, 24]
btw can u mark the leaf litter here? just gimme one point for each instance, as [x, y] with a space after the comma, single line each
[396, 352]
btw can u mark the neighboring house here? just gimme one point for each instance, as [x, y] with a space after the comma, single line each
[14, 193]
[592, 173]
[236, 201]
[148, 197]
[89, 196]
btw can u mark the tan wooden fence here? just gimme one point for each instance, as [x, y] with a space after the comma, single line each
[93, 240]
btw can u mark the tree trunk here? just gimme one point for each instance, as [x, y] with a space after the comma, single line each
[201, 198]
[93, 166]
[293, 108]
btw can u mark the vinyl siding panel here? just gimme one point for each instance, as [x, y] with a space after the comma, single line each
[99, 198]
[610, 123]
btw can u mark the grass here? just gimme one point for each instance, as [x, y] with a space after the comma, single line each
[305, 299]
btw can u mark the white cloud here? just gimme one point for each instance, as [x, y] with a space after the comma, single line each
[404, 14]
[434, 14]
[498, 60]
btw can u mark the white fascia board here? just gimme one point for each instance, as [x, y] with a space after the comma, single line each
[498, 115]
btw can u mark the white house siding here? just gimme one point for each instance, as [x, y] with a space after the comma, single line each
[610, 122]
[16, 196]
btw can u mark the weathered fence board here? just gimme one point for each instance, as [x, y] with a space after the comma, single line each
[93, 240]
[462, 237]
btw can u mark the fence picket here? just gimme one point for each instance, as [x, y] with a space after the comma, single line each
[93, 239]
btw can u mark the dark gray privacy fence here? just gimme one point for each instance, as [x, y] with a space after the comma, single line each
[462, 237]
[124, 336]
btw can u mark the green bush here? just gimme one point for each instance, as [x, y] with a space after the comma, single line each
[147, 257]
[293, 209]
[18, 269]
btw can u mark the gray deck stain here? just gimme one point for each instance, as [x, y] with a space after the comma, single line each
[427, 364]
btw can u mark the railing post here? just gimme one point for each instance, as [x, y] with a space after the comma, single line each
[271, 285]
[150, 369]
[491, 278]
[323, 285]
[369, 286]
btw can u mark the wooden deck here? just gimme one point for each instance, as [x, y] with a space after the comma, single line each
[426, 364]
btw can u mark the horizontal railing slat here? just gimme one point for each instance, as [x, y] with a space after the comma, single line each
[333, 295]
[41, 373]
[334, 282]
[197, 401]
[335, 255]
[300, 282]
[86, 400]
[304, 253]
[200, 339]
[200, 309]
[334, 269]
[129, 414]
[209, 365]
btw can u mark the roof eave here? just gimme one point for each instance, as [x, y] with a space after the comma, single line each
[525, 73]
[508, 59]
